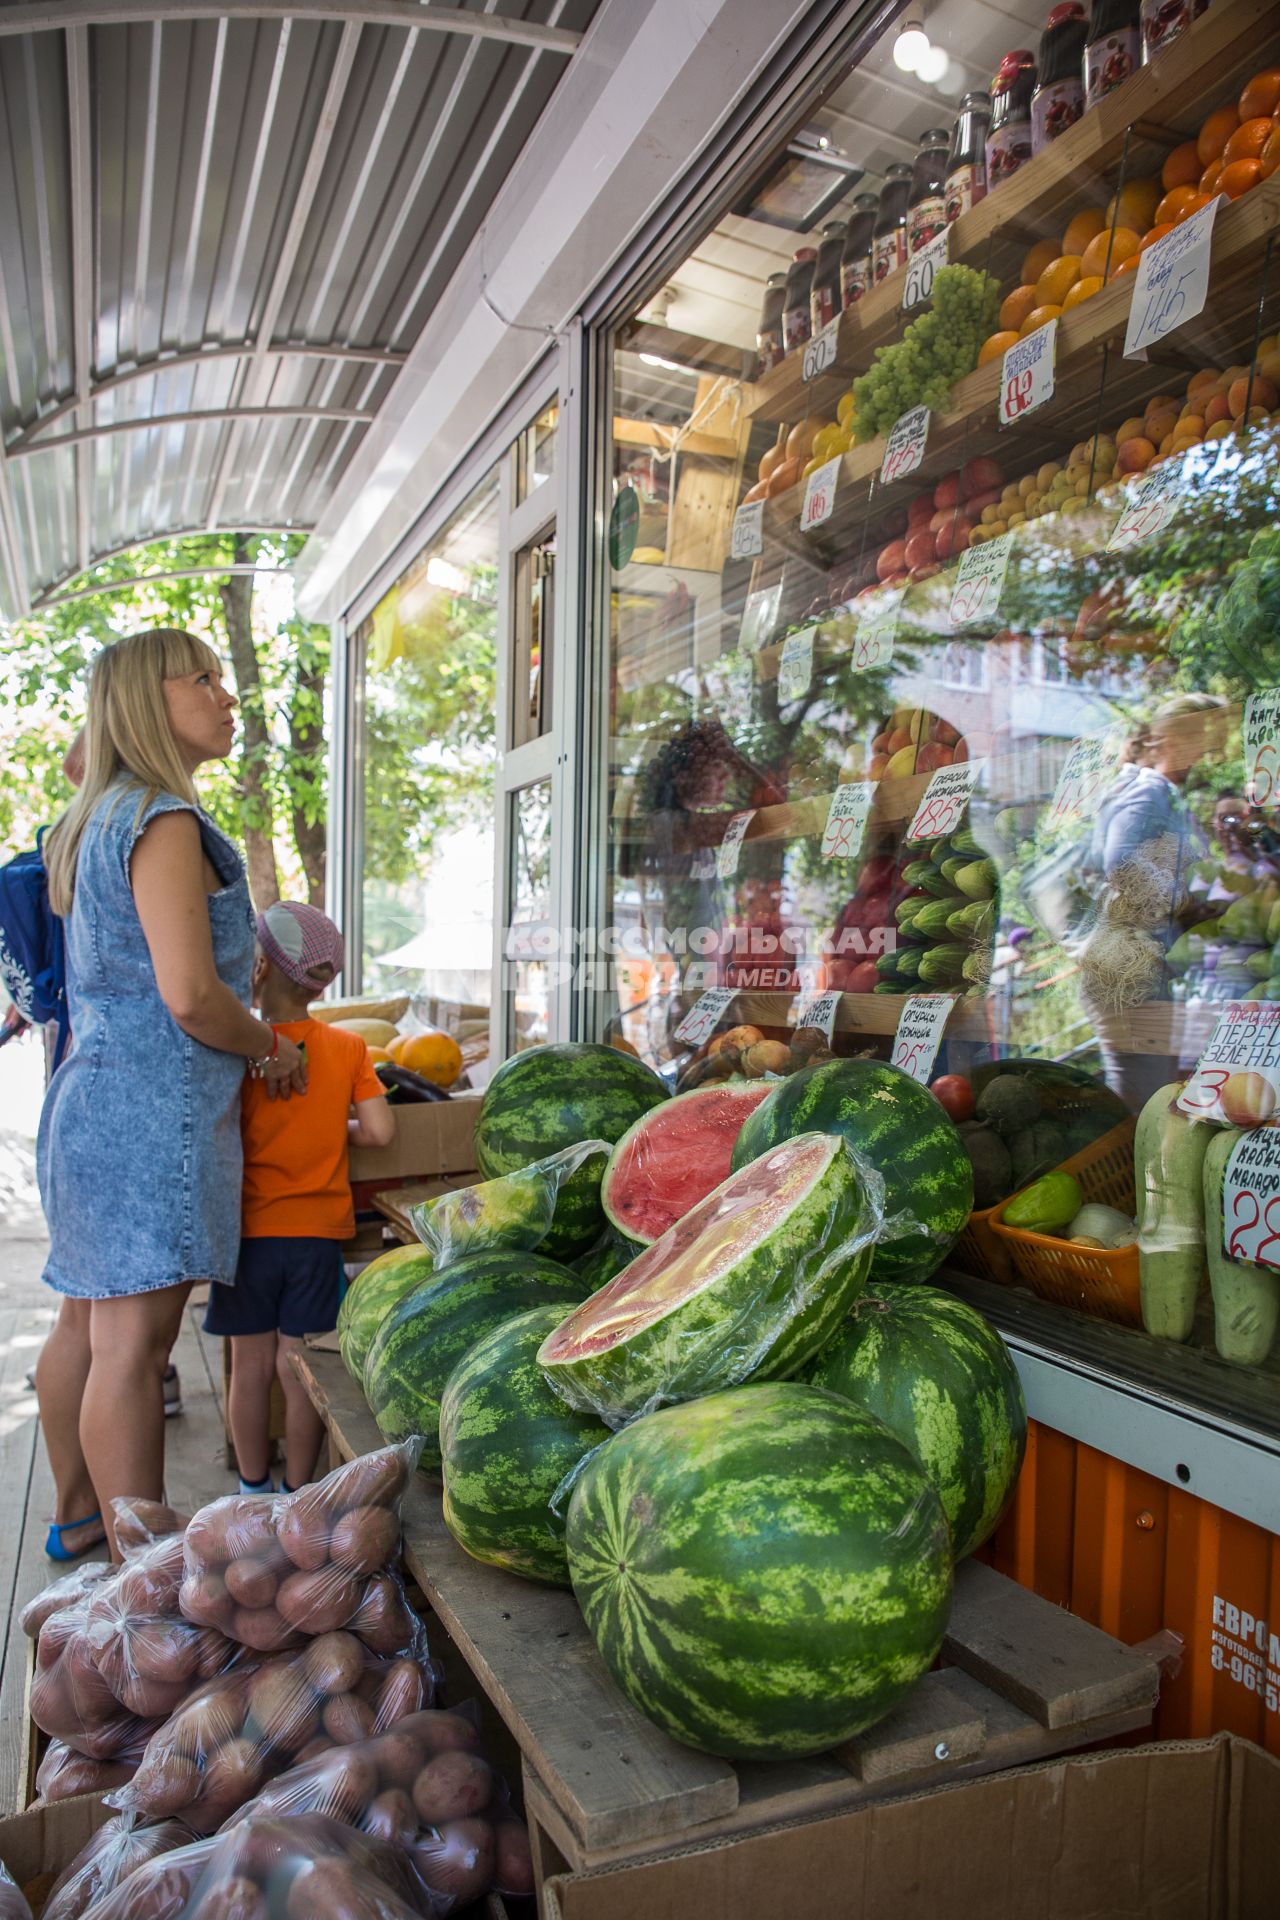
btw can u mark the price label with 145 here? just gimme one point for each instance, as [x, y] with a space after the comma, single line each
[1171, 284]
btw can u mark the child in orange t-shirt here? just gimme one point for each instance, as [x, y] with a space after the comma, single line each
[296, 1209]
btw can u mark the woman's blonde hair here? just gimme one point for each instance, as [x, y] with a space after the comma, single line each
[128, 741]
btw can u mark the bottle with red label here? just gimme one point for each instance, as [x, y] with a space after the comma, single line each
[1058, 100]
[1114, 48]
[795, 299]
[1164, 20]
[770, 344]
[1009, 135]
[824, 296]
[855, 263]
[889, 240]
[927, 205]
[966, 182]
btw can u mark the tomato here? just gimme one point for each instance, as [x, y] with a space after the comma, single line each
[954, 1094]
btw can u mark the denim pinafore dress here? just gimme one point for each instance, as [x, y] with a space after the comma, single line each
[138, 1154]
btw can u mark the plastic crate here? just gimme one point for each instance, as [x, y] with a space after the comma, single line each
[1088, 1279]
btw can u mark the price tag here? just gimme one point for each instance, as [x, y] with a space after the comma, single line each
[1262, 747]
[1088, 770]
[1237, 1080]
[817, 1010]
[820, 494]
[730, 847]
[1172, 282]
[703, 864]
[904, 449]
[1251, 1198]
[758, 617]
[795, 667]
[705, 1015]
[922, 267]
[876, 631]
[980, 581]
[847, 818]
[1149, 511]
[1026, 377]
[920, 1028]
[747, 537]
[820, 352]
[945, 798]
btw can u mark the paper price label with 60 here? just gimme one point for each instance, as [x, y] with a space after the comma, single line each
[904, 449]
[945, 798]
[820, 352]
[1262, 747]
[1251, 1199]
[922, 269]
[705, 1015]
[1149, 511]
[747, 538]
[1026, 375]
[847, 818]
[920, 1028]
[980, 581]
[1088, 769]
[820, 495]
[876, 632]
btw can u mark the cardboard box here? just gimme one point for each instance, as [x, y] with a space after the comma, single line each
[437, 1137]
[35, 1846]
[1184, 1831]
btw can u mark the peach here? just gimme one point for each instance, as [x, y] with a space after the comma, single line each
[1220, 430]
[1135, 455]
[1217, 410]
[1159, 422]
[1132, 429]
[1269, 366]
[1201, 382]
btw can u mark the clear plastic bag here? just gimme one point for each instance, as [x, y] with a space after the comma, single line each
[227, 1740]
[13, 1903]
[148, 1655]
[140, 1523]
[70, 1700]
[271, 1570]
[107, 1860]
[62, 1593]
[63, 1773]
[513, 1212]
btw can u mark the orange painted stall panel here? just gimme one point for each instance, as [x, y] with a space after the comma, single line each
[1134, 1556]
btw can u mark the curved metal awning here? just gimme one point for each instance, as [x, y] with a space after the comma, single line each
[221, 230]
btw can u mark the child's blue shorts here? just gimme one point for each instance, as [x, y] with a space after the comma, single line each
[290, 1286]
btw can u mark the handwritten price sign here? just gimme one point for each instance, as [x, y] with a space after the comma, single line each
[945, 799]
[820, 353]
[818, 1010]
[730, 847]
[795, 666]
[820, 495]
[758, 617]
[1088, 770]
[1237, 1080]
[747, 537]
[975, 598]
[920, 1028]
[905, 447]
[705, 1015]
[847, 818]
[1026, 376]
[876, 632]
[1149, 511]
[1262, 747]
[1251, 1198]
[922, 267]
[1172, 282]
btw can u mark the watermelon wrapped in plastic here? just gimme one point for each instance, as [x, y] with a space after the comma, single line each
[514, 1211]
[107, 1860]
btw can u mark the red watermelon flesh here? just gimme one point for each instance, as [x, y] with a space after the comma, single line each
[675, 1155]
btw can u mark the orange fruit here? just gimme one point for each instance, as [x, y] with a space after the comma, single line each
[996, 345]
[1238, 176]
[1135, 204]
[1126, 266]
[1057, 280]
[1156, 233]
[1082, 228]
[1269, 158]
[1179, 204]
[1210, 177]
[1182, 167]
[1262, 95]
[1015, 307]
[380, 1053]
[436, 1056]
[1039, 317]
[1215, 133]
[1248, 140]
[1083, 290]
[1042, 255]
[1109, 249]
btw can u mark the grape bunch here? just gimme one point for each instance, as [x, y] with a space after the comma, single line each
[933, 353]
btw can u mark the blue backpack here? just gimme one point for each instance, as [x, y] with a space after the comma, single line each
[33, 963]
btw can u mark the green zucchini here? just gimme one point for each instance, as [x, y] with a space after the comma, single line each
[1168, 1157]
[1246, 1298]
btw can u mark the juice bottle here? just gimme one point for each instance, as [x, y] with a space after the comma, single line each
[855, 264]
[1009, 135]
[770, 346]
[1114, 47]
[967, 158]
[1058, 100]
[927, 205]
[889, 239]
[824, 298]
[795, 298]
[1164, 20]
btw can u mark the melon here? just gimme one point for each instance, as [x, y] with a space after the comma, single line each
[674, 1155]
[374, 1033]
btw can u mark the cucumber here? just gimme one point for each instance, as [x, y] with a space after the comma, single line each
[1246, 1298]
[1168, 1161]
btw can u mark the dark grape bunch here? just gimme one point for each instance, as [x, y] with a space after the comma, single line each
[933, 353]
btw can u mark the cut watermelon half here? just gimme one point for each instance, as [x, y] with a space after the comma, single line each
[675, 1156]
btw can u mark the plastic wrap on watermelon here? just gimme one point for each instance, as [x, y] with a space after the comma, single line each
[748, 1284]
[107, 1860]
[65, 1591]
[271, 1570]
[514, 1211]
[13, 1903]
[64, 1774]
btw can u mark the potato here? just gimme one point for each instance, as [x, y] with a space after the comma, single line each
[64, 1773]
[161, 1890]
[57, 1632]
[263, 1629]
[399, 1758]
[320, 1601]
[232, 1776]
[205, 1541]
[330, 1890]
[391, 1817]
[255, 1846]
[251, 1527]
[63, 1593]
[451, 1787]
[208, 1720]
[117, 1850]
[139, 1522]
[513, 1868]
[458, 1862]
[166, 1783]
[365, 1540]
[405, 1690]
[284, 1706]
[152, 1699]
[334, 1662]
[346, 1719]
[234, 1899]
[167, 1649]
[50, 1701]
[304, 1535]
[441, 1732]
[383, 1621]
[150, 1584]
[203, 1598]
[313, 1750]
[369, 1685]
[251, 1581]
[214, 1652]
[375, 1480]
[350, 1782]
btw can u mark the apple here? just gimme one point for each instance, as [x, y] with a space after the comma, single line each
[895, 523]
[942, 518]
[879, 763]
[979, 476]
[880, 744]
[919, 548]
[932, 756]
[891, 559]
[947, 491]
[954, 537]
[898, 579]
[919, 509]
[944, 733]
[959, 753]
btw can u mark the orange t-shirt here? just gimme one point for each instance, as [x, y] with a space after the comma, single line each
[295, 1150]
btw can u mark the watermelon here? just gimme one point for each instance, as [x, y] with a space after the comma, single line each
[370, 1298]
[752, 1281]
[610, 1254]
[515, 1210]
[765, 1571]
[422, 1340]
[898, 1126]
[555, 1096]
[674, 1155]
[507, 1442]
[942, 1380]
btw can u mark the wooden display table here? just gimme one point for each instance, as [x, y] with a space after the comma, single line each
[1024, 1680]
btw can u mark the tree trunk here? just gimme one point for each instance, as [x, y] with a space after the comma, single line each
[236, 593]
[306, 736]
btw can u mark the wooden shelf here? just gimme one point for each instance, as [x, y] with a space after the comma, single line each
[1159, 1027]
[1154, 110]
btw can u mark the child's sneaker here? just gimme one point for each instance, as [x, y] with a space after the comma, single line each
[172, 1393]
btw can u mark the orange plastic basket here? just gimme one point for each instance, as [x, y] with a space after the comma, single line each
[1089, 1279]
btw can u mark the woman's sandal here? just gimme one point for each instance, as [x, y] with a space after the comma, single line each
[53, 1546]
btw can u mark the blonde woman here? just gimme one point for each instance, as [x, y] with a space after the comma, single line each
[139, 1147]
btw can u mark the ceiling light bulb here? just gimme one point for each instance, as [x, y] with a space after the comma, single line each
[910, 47]
[932, 66]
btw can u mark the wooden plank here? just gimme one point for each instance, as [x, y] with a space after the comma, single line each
[617, 1776]
[395, 1203]
[1057, 1668]
[934, 1727]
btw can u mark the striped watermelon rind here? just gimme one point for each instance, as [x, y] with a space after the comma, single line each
[941, 1379]
[611, 1253]
[672, 1156]
[749, 1284]
[371, 1297]
[555, 1096]
[514, 1211]
[765, 1571]
[507, 1441]
[422, 1340]
[898, 1126]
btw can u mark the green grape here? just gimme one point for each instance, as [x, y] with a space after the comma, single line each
[935, 351]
